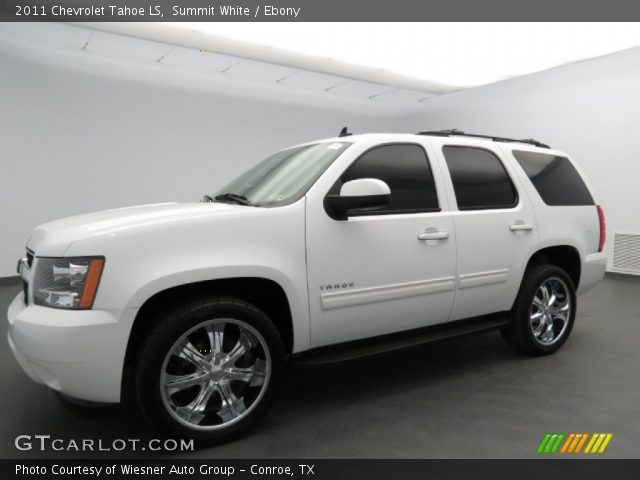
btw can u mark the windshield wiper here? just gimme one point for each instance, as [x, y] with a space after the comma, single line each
[233, 198]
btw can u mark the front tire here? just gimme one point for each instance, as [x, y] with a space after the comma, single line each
[209, 369]
[544, 312]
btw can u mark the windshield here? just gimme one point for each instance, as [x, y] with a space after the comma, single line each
[282, 178]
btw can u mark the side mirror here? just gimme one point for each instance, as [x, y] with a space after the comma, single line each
[361, 194]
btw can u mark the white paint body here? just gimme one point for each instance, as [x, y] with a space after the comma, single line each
[465, 263]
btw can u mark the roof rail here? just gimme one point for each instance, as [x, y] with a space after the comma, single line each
[455, 132]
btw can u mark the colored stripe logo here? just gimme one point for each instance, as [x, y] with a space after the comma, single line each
[574, 443]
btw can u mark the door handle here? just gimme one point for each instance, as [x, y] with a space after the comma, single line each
[433, 235]
[520, 227]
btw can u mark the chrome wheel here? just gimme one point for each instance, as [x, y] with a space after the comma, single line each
[550, 311]
[215, 374]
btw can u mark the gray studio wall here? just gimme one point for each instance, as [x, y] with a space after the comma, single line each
[82, 133]
[589, 109]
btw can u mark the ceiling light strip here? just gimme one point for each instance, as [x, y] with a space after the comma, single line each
[216, 44]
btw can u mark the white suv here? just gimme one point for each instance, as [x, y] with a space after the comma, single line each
[396, 239]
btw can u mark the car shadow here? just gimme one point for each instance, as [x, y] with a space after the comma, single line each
[304, 391]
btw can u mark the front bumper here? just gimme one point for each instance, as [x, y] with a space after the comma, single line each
[77, 352]
[593, 269]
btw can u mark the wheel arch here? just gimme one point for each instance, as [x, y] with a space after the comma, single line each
[266, 294]
[566, 257]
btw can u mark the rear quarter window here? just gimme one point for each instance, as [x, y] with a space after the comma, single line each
[555, 178]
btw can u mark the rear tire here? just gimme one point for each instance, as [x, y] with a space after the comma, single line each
[544, 311]
[209, 369]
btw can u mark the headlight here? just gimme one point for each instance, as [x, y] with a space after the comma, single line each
[70, 282]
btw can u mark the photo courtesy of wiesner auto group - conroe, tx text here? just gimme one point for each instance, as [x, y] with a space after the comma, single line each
[334, 249]
[128, 469]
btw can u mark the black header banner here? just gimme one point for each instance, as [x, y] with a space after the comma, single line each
[316, 10]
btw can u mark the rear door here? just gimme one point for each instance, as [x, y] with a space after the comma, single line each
[495, 227]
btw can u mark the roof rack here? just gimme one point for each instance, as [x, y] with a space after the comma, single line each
[455, 132]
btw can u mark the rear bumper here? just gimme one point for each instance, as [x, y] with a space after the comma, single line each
[78, 353]
[593, 269]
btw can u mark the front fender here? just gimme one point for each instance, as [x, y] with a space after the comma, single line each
[296, 293]
[260, 243]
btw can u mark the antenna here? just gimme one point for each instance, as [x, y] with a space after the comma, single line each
[344, 132]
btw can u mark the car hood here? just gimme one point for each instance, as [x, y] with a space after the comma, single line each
[55, 238]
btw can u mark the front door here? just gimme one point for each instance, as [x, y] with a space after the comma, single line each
[387, 270]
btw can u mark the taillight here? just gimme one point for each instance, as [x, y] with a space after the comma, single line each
[603, 228]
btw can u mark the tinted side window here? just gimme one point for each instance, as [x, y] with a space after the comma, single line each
[555, 178]
[479, 179]
[405, 168]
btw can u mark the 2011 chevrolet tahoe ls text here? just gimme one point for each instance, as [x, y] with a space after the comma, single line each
[333, 249]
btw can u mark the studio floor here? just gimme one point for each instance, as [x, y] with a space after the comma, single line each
[471, 397]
